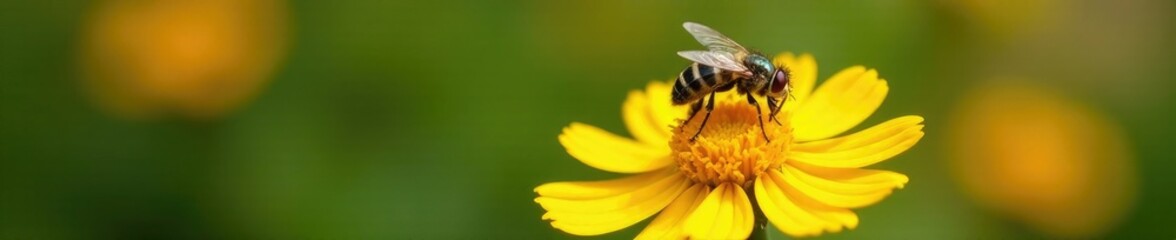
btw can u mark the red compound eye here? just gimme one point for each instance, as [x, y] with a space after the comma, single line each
[780, 80]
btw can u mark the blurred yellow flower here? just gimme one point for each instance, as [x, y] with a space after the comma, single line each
[1041, 159]
[1007, 19]
[804, 182]
[195, 58]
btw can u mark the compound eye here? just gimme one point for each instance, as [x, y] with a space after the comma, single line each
[780, 80]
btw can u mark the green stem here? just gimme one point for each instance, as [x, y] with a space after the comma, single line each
[759, 231]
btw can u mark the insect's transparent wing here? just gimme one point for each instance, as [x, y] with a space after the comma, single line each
[714, 40]
[714, 59]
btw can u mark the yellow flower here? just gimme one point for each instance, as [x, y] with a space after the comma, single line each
[805, 181]
[1034, 156]
[198, 59]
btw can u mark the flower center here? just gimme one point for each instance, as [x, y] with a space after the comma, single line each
[731, 148]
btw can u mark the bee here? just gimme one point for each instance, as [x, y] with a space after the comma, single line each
[724, 66]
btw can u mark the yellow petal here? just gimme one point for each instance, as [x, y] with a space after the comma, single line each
[624, 197]
[781, 211]
[642, 123]
[845, 100]
[725, 214]
[865, 137]
[606, 151]
[855, 176]
[663, 109]
[834, 193]
[601, 189]
[791, 201]
[668, 224]
[603, 215]
[863, 149]
[804, 75]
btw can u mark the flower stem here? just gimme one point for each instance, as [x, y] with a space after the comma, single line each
[759, 231]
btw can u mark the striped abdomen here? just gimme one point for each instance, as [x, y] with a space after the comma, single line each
[699, 80]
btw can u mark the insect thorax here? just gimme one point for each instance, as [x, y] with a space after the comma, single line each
[759, 65]
[761, 73]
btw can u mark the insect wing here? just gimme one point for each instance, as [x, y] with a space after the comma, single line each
[714, 40]
[714, 59]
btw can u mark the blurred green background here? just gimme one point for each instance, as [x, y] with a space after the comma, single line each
[435, 119]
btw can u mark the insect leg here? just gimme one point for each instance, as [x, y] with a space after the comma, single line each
[774, 108]
[710, 105]
[693, 112]
[759, 115]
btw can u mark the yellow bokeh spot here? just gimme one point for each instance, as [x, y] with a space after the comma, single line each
[1005, 20]
[1038, 158]
[196, 59]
